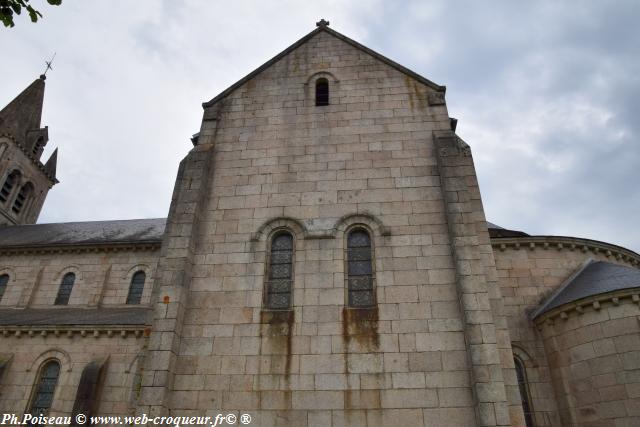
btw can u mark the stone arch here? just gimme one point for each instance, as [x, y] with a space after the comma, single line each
[266, 230]
[310, 87]
[523, 355]
[319, 74]
[369, 221]
[71, 268]
[133, 270]
[54, 353]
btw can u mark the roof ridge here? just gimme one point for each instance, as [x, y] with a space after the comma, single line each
[305, 38]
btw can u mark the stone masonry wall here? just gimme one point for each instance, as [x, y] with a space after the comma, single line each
[102, 278]
[594, 361]
[278, 161]
[28, 354]
[527, 277]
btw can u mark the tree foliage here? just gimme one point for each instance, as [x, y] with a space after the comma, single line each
[9, 8]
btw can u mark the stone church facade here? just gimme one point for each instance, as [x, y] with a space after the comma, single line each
[326, 261]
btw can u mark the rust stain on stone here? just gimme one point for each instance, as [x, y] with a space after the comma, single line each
[278, 329]
[359, 326]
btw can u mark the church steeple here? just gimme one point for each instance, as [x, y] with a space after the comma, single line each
[24, 179]
[22, 115]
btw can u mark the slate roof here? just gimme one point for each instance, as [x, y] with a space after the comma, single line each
[594, 278]
[67, 316]
[497, 231]
[83, 233]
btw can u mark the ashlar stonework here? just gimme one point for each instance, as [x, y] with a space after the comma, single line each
[326, 261]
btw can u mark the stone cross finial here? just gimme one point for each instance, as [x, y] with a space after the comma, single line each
[322, 23]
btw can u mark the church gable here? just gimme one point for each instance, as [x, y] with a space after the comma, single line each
[346, 64]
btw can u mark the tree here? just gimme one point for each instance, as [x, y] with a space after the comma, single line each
[10, 7]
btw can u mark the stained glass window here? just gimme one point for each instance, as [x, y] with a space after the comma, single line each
[64, 292]
[322, 91]
[360, 269]
[524, 392]
[45, 388]
[280, 274]
[4, 280]
[136, 288]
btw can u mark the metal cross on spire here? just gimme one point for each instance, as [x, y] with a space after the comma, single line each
[49, 67]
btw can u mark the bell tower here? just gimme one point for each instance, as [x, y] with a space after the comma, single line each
[24, 179]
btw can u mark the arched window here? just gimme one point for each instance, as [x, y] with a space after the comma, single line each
[136, 287]
[521, 374]
[280, 272]
[4, 280]
[322, 91]
[360, 269]
[8, 185]
[45, 388]
[21, 198]
[64, 292]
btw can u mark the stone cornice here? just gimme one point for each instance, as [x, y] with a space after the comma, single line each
[561, 243]
[596, 302]
[94, 331]
[36, 162]
[81, 248]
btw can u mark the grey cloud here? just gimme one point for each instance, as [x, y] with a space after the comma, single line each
[547, 94]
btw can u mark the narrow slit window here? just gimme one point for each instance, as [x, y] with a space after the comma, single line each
[8, 185]
[45, 388]
[21, 198]
[4, 280]
[280, 274]
[136, 288]
[322, 91]
[360, 270]
[64, 292]
[523, 386]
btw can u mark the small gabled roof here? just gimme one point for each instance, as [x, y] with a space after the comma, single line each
[593, 278]
[324, 26]
[83, 233]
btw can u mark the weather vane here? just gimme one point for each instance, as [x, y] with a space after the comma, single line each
[49, 64]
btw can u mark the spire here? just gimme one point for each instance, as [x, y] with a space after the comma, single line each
[50, 166]
[23, 114]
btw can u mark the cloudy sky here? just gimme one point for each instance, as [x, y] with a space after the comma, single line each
[547, 94]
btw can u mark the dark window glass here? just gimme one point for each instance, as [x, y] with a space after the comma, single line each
[280, 274]
[524, 392]
[21, 198]
[64, 292]
[4, 279]
[45, 388]
[8, 185]
[360, 269]
[322, 92]
[136, 287]
[86, 401]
